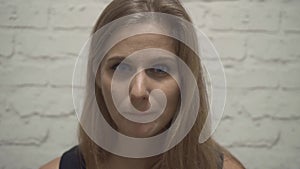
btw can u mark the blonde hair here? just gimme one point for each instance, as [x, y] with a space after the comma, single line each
[188, 153]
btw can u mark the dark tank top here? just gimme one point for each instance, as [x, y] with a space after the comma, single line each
[72, 159]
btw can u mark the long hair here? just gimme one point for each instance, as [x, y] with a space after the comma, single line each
[188, 153]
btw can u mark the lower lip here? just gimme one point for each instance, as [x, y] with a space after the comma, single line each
[140, 113]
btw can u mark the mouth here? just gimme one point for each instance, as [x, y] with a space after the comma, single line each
[141, 117]
[141, 113]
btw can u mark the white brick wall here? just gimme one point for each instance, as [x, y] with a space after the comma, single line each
[258, 41]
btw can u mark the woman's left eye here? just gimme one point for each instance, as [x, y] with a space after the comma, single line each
[160, 69]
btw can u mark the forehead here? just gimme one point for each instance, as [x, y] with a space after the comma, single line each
[140, 42]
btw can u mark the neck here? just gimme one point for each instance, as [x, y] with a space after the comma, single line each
[118, 162]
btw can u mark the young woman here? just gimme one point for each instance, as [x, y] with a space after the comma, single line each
[187, 153]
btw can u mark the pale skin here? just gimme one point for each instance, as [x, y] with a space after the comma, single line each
[139, 90]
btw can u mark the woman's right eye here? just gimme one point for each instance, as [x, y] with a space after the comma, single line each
[121, 66]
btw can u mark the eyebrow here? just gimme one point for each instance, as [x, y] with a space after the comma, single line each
[120, 58]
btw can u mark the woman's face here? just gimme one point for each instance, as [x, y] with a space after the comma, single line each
[141, 85]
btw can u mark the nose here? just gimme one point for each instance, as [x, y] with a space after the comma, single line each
[139, 92]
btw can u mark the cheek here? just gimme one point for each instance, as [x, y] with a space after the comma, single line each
[106, 89]
[173, 94]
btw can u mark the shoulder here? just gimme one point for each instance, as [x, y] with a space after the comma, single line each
[70, 159]
[230, 162]
[54, 164]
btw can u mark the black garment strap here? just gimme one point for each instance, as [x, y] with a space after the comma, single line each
[72, 159]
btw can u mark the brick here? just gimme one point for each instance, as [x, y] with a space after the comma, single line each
[74, 16]
[289, 133]
[262, 17]
[292, 47]
[230, 47]
[22, 136]
[266, 75]
[65, 127]
[22, 71]
[198, 12]
[60, 72]
[30, 14]
[257, 158]
[221, 18]
[291, 18]
[19, 72]
[289, 76]
[288, 144]
[6, 43]
[7, 14]
[261, 104]
[24, 160]
[234, 16]
[269, 48]
[233, 106]
[41, 44]
[39, 155]
[207, 0]
[79, 2]
[4, 107]
[272, 104]
[258, 77]
[44, 101]
[243, 132]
